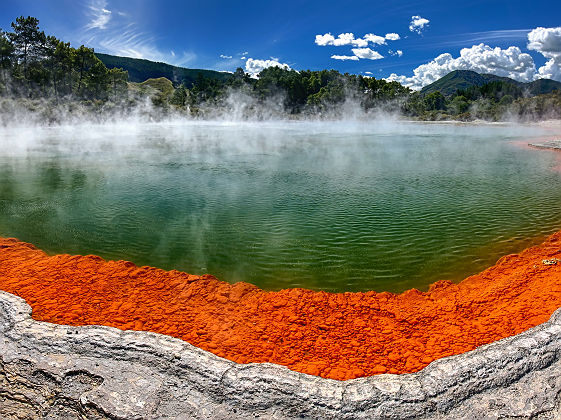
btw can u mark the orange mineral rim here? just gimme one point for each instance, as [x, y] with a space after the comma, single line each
[332, 335]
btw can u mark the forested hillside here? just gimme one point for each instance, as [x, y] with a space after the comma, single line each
[140, 70]
[464, 79]
[496, 100]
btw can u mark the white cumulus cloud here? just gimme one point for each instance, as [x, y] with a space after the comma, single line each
[226, 57]
[392, 36]
[323, 40]
[399, 53]
[347, 38]
[418, 24]
[375, 39]
[360, 45]
[255, 66]
[345, 57]
[550, 70]
[510, 62]
[367, 53]
[547, 41]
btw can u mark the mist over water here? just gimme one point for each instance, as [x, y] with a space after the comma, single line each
[337, 206]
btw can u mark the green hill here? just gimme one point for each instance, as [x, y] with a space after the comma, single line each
[141, 70]
[541, 86]
[463, 79]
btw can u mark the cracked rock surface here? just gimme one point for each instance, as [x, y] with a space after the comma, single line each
[62, 372]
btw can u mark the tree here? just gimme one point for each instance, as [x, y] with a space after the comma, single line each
[435, 101]
[6, 51]
[179, 97]
[63, 57]
[118, 82]
[38, 77]
[458, 105]
[239, 74]
[506, 100]
[27, 40]
[205, 89]
[6, 56]
[414, 105]
[84, 58]
[50, 47]
[97, 81]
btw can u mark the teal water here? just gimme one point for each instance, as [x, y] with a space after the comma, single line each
[326, 206]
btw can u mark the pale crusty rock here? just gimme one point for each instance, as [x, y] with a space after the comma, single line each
[61, 372]
[551, 144]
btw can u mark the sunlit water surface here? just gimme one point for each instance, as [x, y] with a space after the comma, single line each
[330, 206]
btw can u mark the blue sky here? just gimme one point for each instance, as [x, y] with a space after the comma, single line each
[222, 35]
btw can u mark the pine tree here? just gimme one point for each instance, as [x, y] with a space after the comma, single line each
[27, 41]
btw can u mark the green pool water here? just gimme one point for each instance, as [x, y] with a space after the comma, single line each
[325, 206]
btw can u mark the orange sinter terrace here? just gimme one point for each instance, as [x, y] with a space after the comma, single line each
[332, 335]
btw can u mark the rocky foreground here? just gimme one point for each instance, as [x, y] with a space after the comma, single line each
[52, 366]
[64, 372]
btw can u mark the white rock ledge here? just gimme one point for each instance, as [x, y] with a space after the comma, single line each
[61, 372]
[551, 144]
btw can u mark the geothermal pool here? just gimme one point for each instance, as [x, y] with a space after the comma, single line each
[324, 206]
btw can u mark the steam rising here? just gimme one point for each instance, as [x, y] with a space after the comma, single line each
[236, 105]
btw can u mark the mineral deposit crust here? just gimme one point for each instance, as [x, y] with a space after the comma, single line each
[332, 335]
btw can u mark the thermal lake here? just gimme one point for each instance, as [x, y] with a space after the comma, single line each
[327, 206]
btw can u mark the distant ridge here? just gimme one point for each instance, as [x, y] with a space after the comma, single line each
[141, 70]
[463, 79]
[537, 87]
